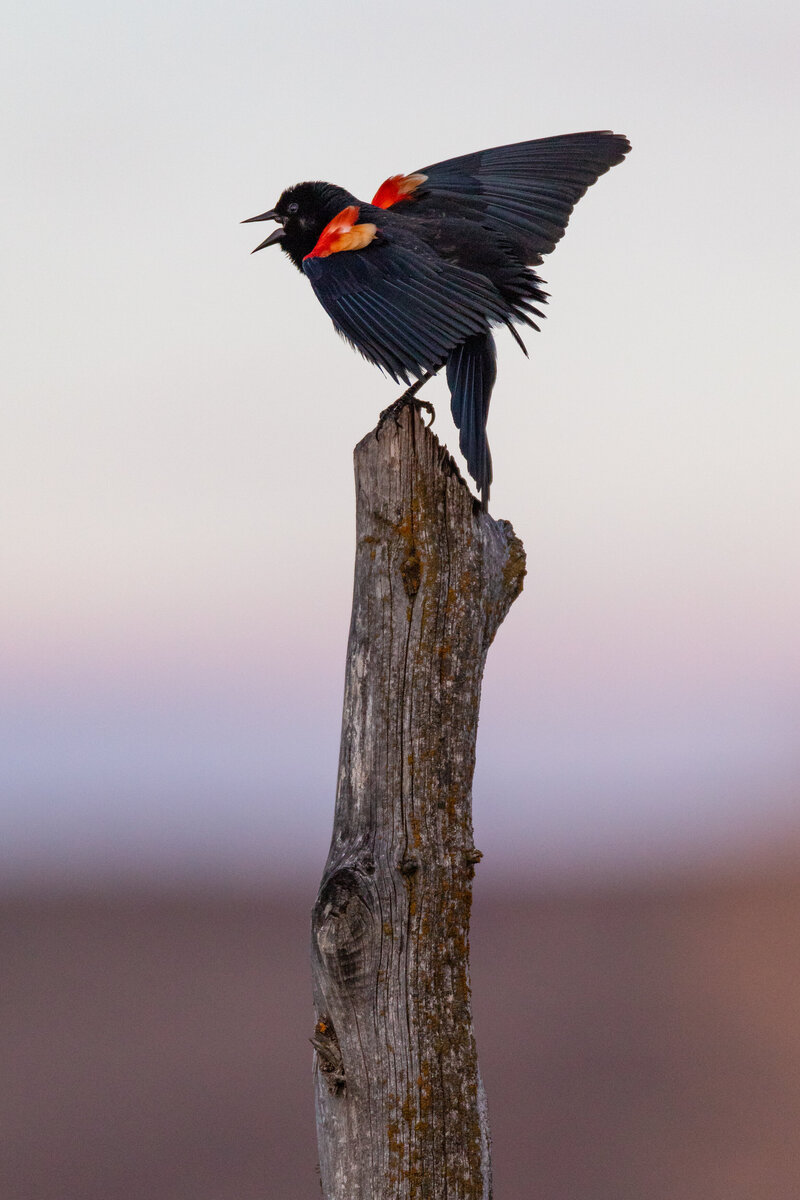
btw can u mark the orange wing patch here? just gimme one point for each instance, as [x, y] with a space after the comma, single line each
[342, 233]
[398, 187]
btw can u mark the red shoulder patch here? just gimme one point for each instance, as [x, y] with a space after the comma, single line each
[396, 188]
[342, 233]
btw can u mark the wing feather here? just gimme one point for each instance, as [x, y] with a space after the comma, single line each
[401, 306]
[361, 332]
[526, 190]
[381, 318]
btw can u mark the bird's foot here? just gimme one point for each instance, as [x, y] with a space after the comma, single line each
[409, 396]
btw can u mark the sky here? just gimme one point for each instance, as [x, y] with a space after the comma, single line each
[178, 418]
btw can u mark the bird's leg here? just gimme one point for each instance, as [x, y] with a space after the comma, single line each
[409, 396]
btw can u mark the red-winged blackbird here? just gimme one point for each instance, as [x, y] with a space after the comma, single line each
[416, 279]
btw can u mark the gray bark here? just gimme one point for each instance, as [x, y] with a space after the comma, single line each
[401, 1113]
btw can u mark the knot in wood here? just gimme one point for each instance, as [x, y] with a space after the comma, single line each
[411, 573]
[342, 927]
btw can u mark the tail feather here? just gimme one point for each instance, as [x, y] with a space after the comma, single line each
[471, 372]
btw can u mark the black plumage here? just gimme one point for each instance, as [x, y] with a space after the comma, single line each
[417, 279]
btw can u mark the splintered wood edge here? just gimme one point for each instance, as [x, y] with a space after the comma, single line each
[410, 423]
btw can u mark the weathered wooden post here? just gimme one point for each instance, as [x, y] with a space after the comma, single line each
[401, 1113]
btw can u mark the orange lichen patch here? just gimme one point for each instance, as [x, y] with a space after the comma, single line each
[342, 233]
[396, 1144]
[396, 188]
[405, 528]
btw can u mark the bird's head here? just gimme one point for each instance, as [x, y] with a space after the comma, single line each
[302, 213]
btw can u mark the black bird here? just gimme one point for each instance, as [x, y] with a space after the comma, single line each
[416, 279]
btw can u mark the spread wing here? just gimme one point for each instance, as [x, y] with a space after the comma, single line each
[525, 191]
[400, 305]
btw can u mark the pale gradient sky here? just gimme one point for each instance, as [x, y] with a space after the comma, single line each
[176, 507]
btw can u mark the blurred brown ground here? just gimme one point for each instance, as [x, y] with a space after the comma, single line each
[636, 1044]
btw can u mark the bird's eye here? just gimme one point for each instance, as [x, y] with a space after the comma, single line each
[293, 207]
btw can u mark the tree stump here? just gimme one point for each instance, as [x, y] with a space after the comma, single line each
[401, 1112]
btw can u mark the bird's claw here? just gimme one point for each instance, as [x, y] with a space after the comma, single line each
[408, 397]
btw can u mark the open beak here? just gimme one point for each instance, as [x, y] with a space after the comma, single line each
[278, 234]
